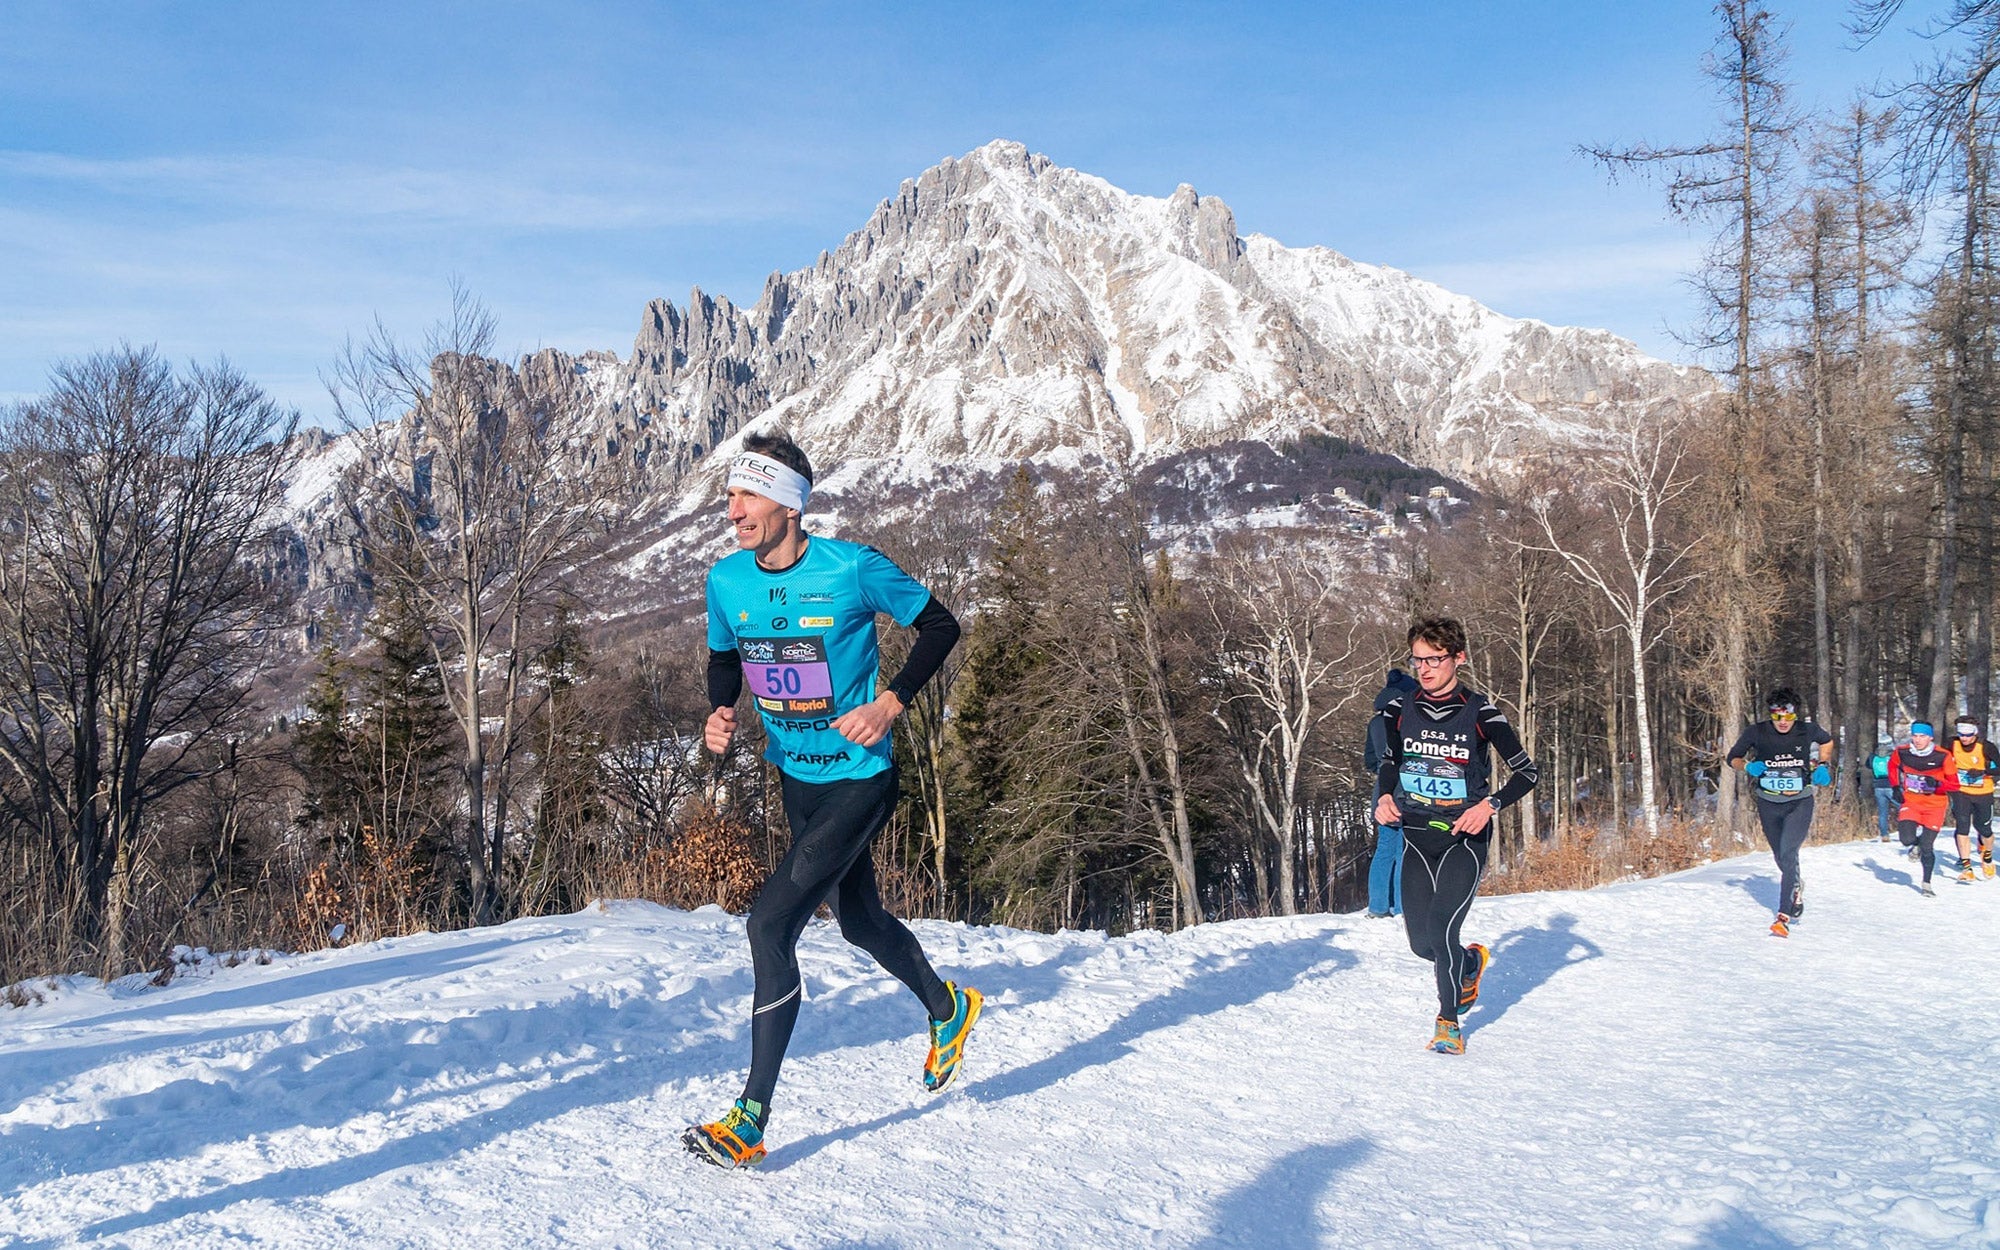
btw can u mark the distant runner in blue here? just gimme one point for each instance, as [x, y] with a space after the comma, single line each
[792, 616]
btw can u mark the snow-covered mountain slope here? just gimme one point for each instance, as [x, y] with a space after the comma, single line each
[1646, 1067]
[1000, 307]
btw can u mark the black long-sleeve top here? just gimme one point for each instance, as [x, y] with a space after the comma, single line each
[1445, 741]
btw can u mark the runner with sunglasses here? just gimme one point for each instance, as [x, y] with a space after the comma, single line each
[1436, 783]
[1977, 761]
[1785, 757]
[795, 615]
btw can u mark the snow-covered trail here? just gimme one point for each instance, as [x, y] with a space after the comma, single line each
[1646, 1067]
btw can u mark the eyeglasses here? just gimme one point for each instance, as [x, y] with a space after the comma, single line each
[1777, 714]
[1428, 661]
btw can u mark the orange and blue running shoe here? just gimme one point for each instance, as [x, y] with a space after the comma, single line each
[734, 1141]
[948, 1037]
[1447, 1040]
[1468, 987]
[1782, 926]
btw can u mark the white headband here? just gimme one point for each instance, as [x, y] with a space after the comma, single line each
[765, 476]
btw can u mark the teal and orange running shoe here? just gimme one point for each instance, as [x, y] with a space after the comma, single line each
[1447, 1040]
[734, 1141]
[1468, 987]
[948, 1037]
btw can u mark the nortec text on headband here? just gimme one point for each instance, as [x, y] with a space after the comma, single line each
[764, 476]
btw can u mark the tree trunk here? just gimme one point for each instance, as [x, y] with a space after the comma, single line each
[1642, 728]
[1612, 745]
[1526, 702]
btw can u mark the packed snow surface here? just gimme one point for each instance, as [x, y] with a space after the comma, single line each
[1646, 1067]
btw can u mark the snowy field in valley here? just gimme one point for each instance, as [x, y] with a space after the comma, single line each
[1647, 1067]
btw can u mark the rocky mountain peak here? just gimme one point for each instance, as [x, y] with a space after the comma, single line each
[1000, 307]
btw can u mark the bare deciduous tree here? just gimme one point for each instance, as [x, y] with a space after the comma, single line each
[1634, 557]
[486, 487]
[136, 591]
[1734, 180]
[1289, 663]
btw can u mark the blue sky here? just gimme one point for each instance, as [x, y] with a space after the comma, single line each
[260, 180]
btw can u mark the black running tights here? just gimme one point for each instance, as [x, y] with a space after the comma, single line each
[1974, 816]
[1785, 828]
[832, 825]
[1441, 874]
[1925, 840]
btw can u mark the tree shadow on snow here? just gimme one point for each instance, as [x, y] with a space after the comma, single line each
[589, 1053]
[1218, 983]
[323, 1077]
[268, 990]
[1524, 961]
[51, 1064]
[1738, 1231]
[1280, 1207]
[1035, 983]
[573, 1055]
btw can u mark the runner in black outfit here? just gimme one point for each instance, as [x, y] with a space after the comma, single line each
[1786, 757]
[1436, 783]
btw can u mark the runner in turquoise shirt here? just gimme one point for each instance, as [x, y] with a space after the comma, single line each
[792, 616]
[806, 635]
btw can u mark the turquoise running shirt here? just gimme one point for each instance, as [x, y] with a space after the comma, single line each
[807, 637]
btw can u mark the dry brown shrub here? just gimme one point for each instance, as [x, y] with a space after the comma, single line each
[1681, 843]
[709, 861]
[386, 895]
[318, 909]
[1591, 856]
[905, 892]
[1572, 864]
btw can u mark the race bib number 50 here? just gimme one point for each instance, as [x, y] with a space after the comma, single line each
[788, 676]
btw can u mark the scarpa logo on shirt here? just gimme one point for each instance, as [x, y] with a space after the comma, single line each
[805, 757]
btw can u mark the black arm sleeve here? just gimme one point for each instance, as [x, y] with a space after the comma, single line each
[725, 677]
[1391, 764]
[1741, 749]
[937, 634]
[1522, 774]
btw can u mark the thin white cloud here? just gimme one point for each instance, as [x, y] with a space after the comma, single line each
[556, 195]
[1594, 268]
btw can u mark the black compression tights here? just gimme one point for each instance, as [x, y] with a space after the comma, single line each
[1786, 826]
[832, 825]
[1925, 840]
[1441, 874]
